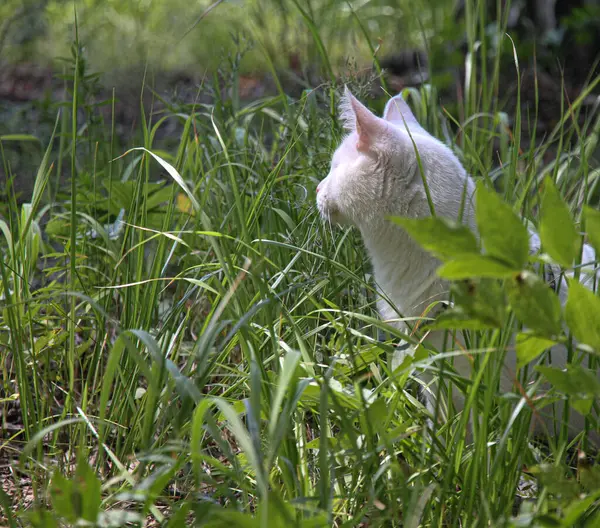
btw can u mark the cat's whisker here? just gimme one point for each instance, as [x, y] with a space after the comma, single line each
[330, 226]
[309, 216]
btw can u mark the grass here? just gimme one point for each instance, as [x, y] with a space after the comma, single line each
[216, 357]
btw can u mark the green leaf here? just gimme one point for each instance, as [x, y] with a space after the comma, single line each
[440, 236]
[64, 502]
[19, 137]
[79, 498]
[529, 347]
[40, 518]
[582, 405]
[576, 509]
[201, 284]
[7, 507]
[456, 319]
[592, 226]
[582, 312]
[173, 173]
[235, 425]
[375, 417]
[481, 299]
[557, 231]
[575, 380]
[503, 235]
[556, 481]
[222, 518]
[57, 226]
[402, 360]
[479, 304]
[89, 488]
[534, 303]
[310, 396]
[286, 378]
[474, 266]
[181, 516]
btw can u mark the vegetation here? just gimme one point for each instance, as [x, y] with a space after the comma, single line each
[181, 35]
[184, 342]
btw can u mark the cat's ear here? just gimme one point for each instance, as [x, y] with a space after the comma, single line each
[398, 113]
[357, 117]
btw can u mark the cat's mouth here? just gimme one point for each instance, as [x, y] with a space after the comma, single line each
[328, 207]
[331, 214]
[327, 212]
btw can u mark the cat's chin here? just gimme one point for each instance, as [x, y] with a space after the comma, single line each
[335, 218]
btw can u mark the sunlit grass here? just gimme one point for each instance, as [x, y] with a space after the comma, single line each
[182, 321]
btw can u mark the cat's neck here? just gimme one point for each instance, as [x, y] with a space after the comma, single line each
[404, 272]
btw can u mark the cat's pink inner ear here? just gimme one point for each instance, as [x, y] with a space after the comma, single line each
[368, 125]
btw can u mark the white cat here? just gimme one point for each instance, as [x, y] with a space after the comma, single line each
[375, 173]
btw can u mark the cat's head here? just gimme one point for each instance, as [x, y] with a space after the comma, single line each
[374, 164]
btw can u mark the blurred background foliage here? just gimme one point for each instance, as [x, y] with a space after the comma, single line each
[164, 42]
[119, 34]
[167, 36]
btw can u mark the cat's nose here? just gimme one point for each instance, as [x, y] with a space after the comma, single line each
[318, 188]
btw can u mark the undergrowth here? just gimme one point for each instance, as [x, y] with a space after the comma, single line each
[184, 342]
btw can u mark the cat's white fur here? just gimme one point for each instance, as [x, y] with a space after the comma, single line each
[375, 173]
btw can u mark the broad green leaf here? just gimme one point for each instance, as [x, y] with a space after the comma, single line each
[40, 518]
[534, 303]
[456, 319]
[529, 347]
[582, 312]
[575, 380]
[362, 358]
[503, 235]
[556, 481]
[310, 396]
[575, 510]
[582, 405]
[377, 414]
[88, 486]
[159, 197]
[482, 299]
[314, 521]
[474, 266]
[66, 502]
[557, 231]
[479, 304]
[592, 226]
[440, 236]
[181, 515]
[58, 226]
